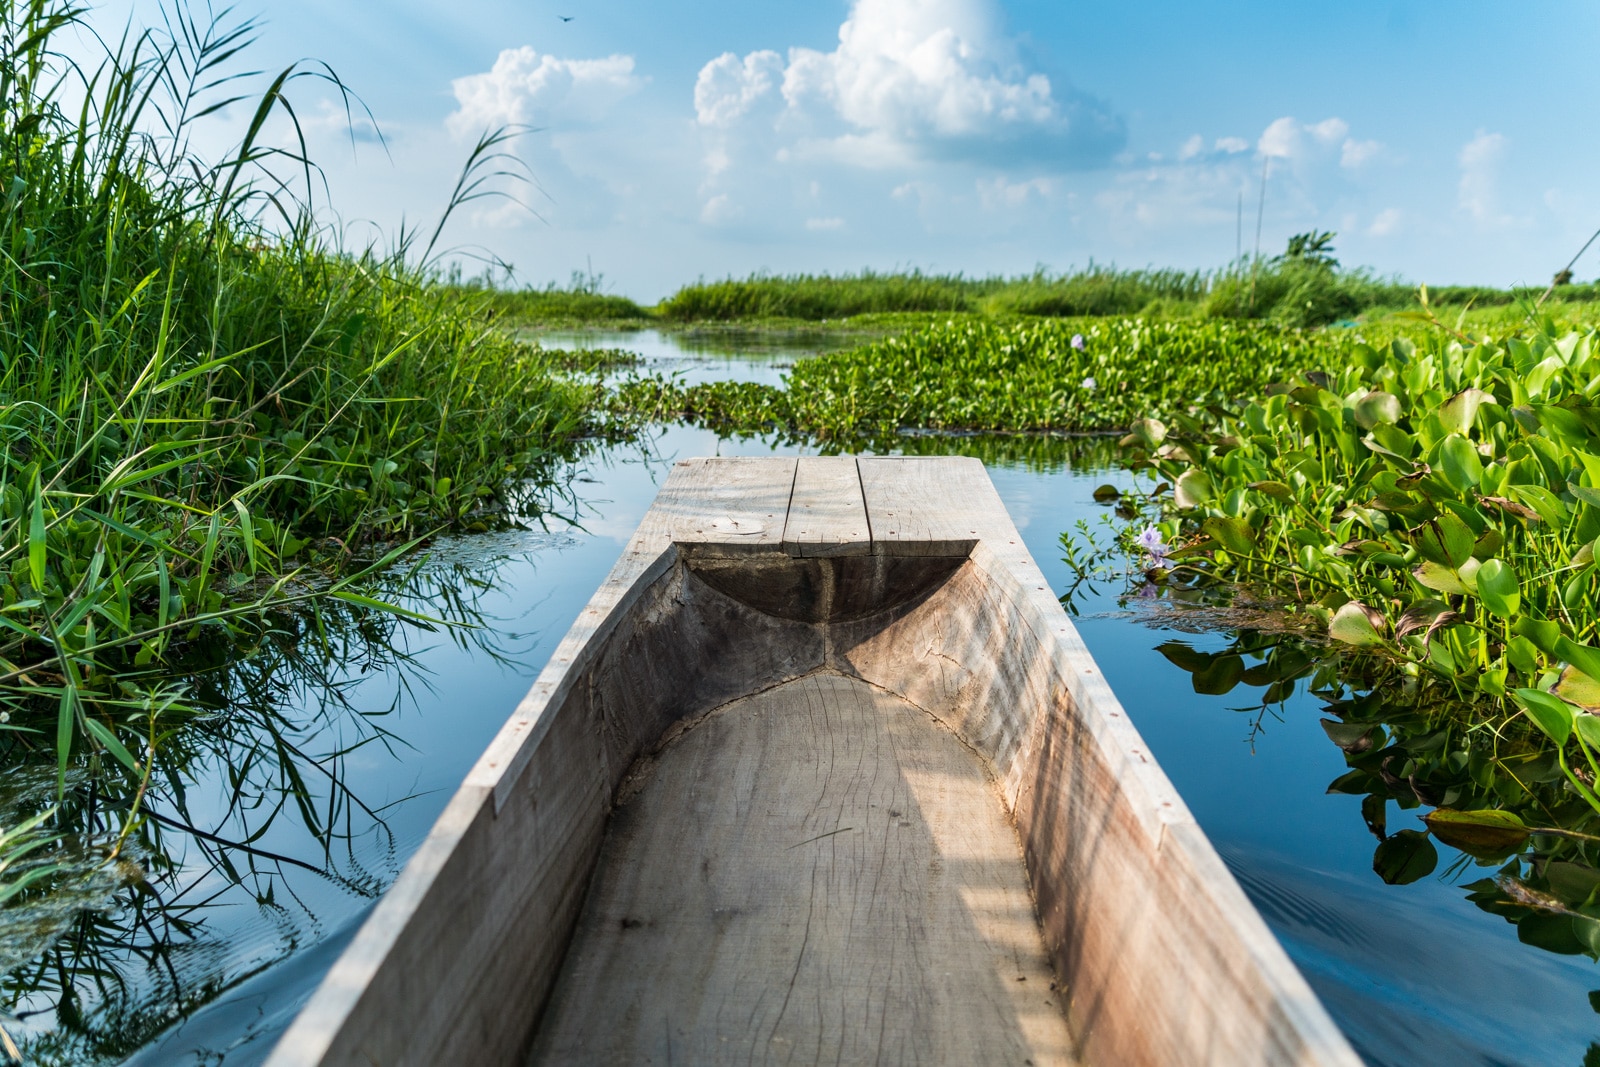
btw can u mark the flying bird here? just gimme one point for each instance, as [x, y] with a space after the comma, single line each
[566, 18]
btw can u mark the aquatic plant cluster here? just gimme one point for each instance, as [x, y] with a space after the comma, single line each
[1496, 794]
[1440, 502]
[209, 414]
[1435, 504]
[977, 374]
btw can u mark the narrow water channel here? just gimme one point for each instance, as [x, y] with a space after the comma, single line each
[209, 961]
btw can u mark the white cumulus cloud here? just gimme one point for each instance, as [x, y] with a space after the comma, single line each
[1329, 131]
[1302, 142]
[932, 78]
[729, 87]
[525, 86]
[1232, 145]
[1281, 140]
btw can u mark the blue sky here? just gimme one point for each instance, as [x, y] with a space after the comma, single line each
[1444, 142]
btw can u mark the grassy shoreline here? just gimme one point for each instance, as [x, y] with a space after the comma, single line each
[213, 420]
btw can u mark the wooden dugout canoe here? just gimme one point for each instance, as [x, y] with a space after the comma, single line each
[822, 772]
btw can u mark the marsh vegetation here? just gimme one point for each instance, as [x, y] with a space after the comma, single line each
[218, 428]
[1304, 286]
[223, 437]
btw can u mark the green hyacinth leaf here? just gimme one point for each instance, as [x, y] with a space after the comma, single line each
[1405, 857]
[1550, 714]
[1193, 488]
[1498, 589]
[1463, 468]
[1234, 535]
[1584, 657]
[1353, 624]
[1445, 540]
[1488, 834]
[1441, 579]
[1377, 408]
[1578, 688]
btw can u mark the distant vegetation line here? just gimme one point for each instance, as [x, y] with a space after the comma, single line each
[1303, 287]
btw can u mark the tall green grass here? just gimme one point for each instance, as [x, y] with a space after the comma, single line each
[208, 410]
[821, 296]
[1098, 290]
[583, 300]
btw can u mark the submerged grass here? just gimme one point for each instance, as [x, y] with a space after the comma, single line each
[208, 413]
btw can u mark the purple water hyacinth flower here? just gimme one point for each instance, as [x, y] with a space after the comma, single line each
[1150, 540]
[1077, 342]
[1090, 385]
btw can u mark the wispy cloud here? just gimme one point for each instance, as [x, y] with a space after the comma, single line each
[1477, 193]
[1387, 221]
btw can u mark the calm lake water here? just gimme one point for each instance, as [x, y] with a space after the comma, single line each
[212, 972]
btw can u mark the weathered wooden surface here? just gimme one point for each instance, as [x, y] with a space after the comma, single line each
[926, 505]
[1137, 909]
[827, 516]
[817, 873]
[907, 575]
[734, 505]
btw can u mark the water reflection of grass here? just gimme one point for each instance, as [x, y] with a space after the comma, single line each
[247, 811]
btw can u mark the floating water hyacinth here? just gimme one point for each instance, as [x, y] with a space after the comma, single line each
[1090, 384]
[1156, 549]
[1077, 342]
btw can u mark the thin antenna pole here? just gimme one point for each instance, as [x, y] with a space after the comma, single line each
[1261, 205]
[1568, 269]
[1238, 231]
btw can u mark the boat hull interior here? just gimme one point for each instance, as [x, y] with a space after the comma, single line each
[858, 799]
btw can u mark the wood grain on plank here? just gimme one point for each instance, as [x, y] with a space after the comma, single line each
[814, 873]
[934, 505]
[827, 516]
[738, 503]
